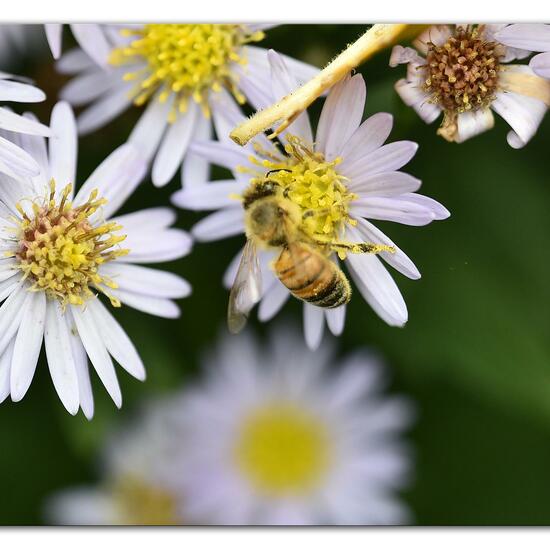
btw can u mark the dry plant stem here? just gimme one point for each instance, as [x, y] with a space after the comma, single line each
[377, 38]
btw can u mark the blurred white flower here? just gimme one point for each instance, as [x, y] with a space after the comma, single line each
[529, 36]
[15, 161]
[273, 435]
[179, 71]
[343, 178]
[464, 72]
[135, 487]
[60, 250]
[90, 37]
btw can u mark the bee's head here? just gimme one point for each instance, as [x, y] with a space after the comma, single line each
[260, 190]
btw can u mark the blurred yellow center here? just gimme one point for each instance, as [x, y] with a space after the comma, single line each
[312, 183]
[140, 503]
[187, 60]
[282, 449]
[60, 249]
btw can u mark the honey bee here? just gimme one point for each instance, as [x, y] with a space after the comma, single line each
[304, 264]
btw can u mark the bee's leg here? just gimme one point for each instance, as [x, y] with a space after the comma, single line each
[343, 247]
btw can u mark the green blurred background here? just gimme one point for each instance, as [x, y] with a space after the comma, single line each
[475, 354]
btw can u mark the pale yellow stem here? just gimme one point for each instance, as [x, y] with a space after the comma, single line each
[287, 109]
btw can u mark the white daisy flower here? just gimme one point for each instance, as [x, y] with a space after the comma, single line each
[135, 469]
[272, 436]
[89, 36]
[464, 73]
[179, 72]
[339, 181]
[15, 161]
[534, 37]
[61, 250]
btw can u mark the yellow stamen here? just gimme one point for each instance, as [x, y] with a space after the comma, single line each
[60, 251]
[188, 60]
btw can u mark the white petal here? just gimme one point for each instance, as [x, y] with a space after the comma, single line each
[341, 116]
[10, 315]
[60, 358]
[5, 368]
[147, 281]
[92, 40]
[541, 64]
[74, 61]
[196, 170]
[15, 162]
[524, 114]
[400, 55]
[414, 96]
[150, 219]
[104, 109]
[398, 260]
[438, 210]
[214, 195]
[18, 123]
[314, 324]
[35, 145]
[20, 92]
[115, 178]
[97, 352]
[527, 36]
[336, 319]
[151, 126]
[227, 155]
[160, 246]
[27, 344]
[283, 83]
[63, 146]
[85, 395]
[161, 307]
[436, 34]
[385, 184]
[174, 145]
[53, 35]
[273, 300]
[226, 114]
[378, 288]
[221, 224]
[116, 340]
[394, 209]
[371, 135]
[387, 158]
[88, 86]
[472, 123]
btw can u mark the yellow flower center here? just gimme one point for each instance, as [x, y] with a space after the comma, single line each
[311, 182]
[60, 250]
[140, 503]
[187, 60]
[282, 449]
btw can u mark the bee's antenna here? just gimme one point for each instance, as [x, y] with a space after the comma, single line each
[277, 170]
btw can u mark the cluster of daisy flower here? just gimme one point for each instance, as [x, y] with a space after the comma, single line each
[280, 443]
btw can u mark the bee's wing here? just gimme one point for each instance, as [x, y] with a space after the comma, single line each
[246, 290]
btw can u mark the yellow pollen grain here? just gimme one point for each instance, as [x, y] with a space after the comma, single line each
[282, 449]
[187, 60]
[60, 251]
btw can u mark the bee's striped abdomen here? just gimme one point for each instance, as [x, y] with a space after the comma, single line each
[312, 277]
